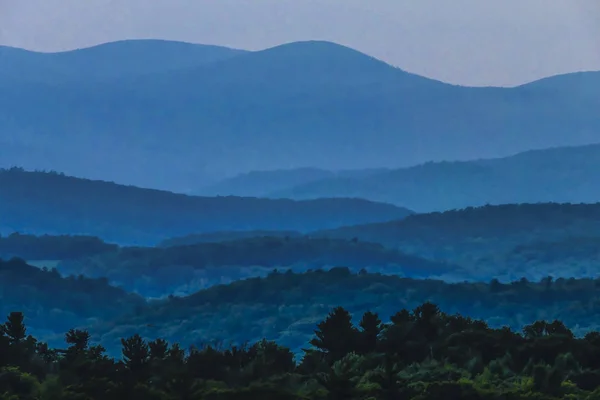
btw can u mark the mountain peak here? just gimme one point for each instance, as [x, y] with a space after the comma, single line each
[110, 60]
[308, 63]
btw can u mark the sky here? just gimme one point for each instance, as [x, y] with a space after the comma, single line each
[469, 42]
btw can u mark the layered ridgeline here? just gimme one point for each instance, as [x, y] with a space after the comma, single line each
[127, 58]
[39, 203]
[48, 247]
[161, 271]
[282, 306]
[282, 182]
[301, 104]
[224, 236]
[562, 174]
[502, 242]
[420, 353]
[157, 272]
[56, 303]
[507, 242]
[287, 306]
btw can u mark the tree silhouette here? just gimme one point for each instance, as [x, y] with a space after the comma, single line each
[336, 336]
[78, 339]
[136, 357]
[14, 328]
[371, 327]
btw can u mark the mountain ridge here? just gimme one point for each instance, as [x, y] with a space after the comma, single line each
[51, 203]
[558, 174]
[111, 60]
[105, 45]
[309, 104]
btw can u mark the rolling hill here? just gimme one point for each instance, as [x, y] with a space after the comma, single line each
[157, 272]
[304, 104]
[107, 61]
[265, 183]
[52, 303]
[225, 236]
[562, 175]
[286, 307]
[51, 248]
[52, 203]
[493, 241]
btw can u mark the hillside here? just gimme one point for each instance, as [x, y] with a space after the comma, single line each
[286, 307]
[573, 256]
[421, 353]
[484, 239]
[226, 236]
[266, 183]
[54, 303]
[157, 272]
[46, 247]
[506, 242]
[259, 183]
[562, 175]
[51, 203]
[107, 61]
[302, 104]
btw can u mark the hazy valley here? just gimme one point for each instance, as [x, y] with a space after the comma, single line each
[297, 223]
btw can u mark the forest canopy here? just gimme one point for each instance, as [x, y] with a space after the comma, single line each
[423, 353]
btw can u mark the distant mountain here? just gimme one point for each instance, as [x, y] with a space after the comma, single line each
[297, 105]
[553, 221]
[156, 272]
[226, 236]
[264, 183]
[107, 61]
[51, 248]
[562, 175]
[486, 240]
[260, 183]
[38, 203]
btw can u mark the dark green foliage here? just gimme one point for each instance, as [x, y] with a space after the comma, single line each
[14, 328]
[415, 356]
[370, 329]
[336, 336]
[285, 307]
[54, 302]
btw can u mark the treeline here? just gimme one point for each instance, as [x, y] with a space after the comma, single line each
[418, 354]
[284, 306]
[56, 303]
[482, 239]
[226, 236]
[48, 247]
[160, 271]
[547, 220]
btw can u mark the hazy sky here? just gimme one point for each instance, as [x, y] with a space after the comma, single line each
[478, 42]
